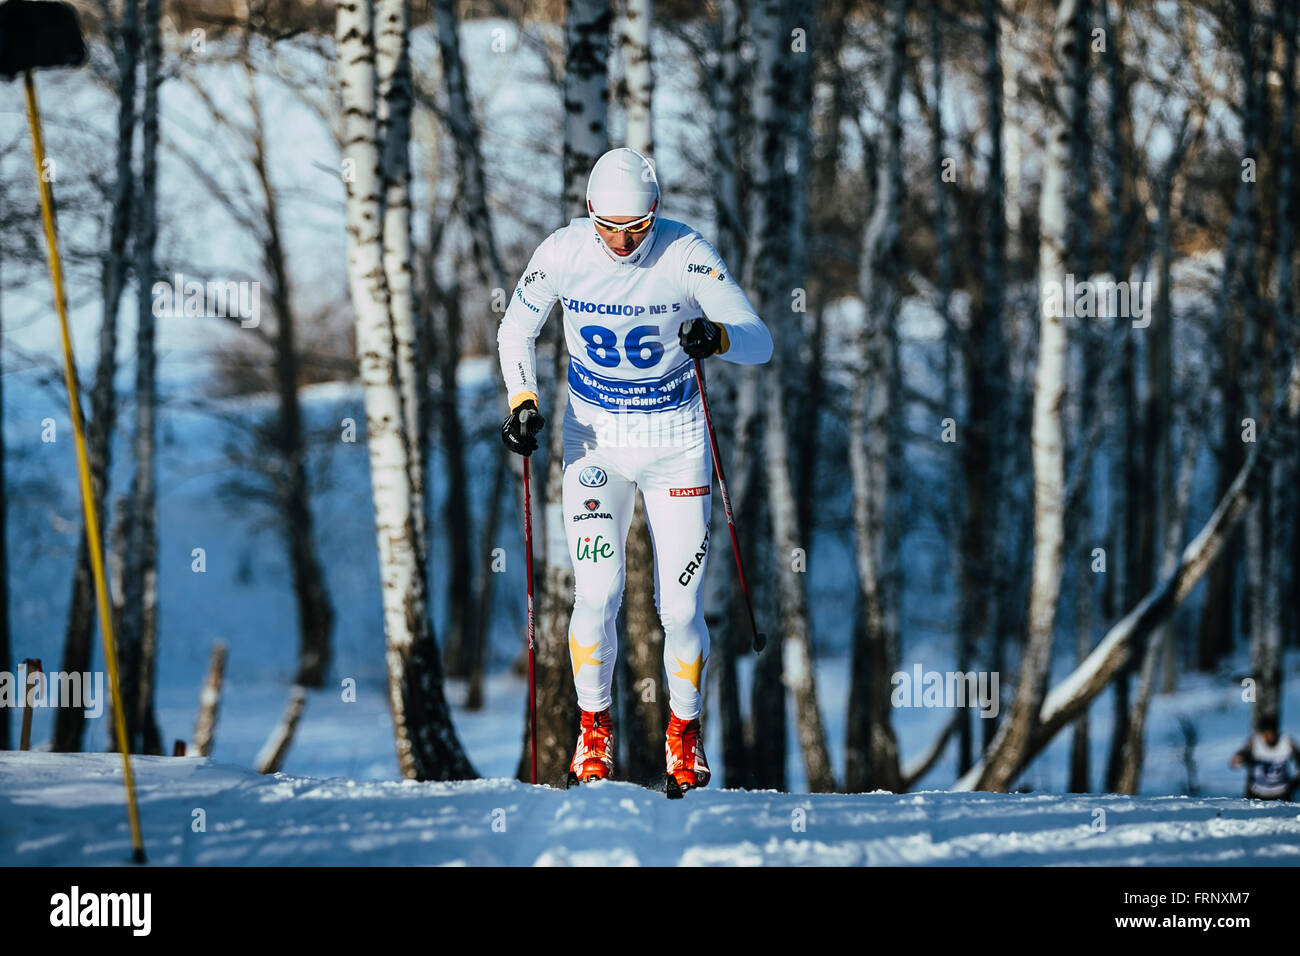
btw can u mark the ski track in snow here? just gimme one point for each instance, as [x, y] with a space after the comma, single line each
[67, 809]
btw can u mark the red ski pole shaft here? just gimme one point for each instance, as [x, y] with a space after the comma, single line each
[528, 561]
[760, 640]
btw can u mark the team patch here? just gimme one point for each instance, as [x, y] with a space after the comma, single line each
[688, 492]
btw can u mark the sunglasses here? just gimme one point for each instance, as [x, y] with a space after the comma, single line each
[632, 228]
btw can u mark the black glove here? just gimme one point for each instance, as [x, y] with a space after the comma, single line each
[700, 338]
[518, 430]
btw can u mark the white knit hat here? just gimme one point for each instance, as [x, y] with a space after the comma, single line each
[622, 183]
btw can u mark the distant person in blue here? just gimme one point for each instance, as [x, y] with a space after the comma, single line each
[1267, 757]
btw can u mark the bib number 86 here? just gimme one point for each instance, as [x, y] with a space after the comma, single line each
[602, 348]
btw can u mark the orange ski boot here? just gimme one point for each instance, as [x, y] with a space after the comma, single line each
[593, 757]
[684, 753]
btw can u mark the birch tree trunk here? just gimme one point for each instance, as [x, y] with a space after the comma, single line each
[69, 722]
[872, 752]
[586, 97]
[426, 742]
[1009, 746]
[140, 598]
[637, 89]
[271, 757]
[393, 109]
[205, 724]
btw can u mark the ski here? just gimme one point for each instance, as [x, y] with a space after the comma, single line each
[670, 787]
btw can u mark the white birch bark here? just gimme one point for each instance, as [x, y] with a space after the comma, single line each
[633, 30]
[426, 742]
[271, 757]
[205, 725]
[393, 71]
[586, 97]
[1008, 747]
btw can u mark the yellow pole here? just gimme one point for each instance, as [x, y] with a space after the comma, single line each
[83, 467]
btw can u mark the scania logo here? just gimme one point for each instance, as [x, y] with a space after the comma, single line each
[592, 477]
[591, 504]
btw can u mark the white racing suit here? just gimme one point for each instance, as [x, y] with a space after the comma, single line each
[634, 419]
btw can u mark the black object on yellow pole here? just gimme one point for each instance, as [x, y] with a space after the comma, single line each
[53, 38]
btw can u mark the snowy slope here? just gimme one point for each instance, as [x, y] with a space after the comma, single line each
[67, 809]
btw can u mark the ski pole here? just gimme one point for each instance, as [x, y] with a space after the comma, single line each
[61, 44]
[528, 561]
[760, 639]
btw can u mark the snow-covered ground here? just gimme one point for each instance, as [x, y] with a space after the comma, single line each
[58, 809]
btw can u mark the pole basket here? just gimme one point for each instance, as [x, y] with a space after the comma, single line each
[38, 34]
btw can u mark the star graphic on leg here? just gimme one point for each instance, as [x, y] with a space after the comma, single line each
[691, 672]
[582, 655]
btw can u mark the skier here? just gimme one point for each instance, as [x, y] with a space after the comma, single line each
[633, 286]
[1266, 756]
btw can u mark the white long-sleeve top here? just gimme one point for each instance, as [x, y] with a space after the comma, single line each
[621, 317]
